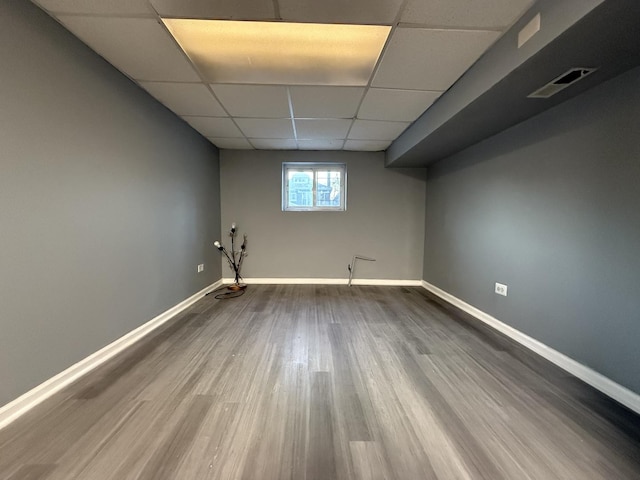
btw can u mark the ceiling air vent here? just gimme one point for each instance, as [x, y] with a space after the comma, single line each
[560, 83]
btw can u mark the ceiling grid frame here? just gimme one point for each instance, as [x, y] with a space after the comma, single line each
[134, 10]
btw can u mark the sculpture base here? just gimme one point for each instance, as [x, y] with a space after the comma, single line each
[237, 286]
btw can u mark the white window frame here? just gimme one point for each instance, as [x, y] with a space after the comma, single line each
[315, 167]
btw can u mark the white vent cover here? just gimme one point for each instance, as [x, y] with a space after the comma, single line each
[560, 83]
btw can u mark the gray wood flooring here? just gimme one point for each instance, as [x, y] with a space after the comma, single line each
[324, 382]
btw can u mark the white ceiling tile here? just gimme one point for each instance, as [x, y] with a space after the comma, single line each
[463, 13]
[274, 143]
[340, 11]
[396, 105]
[186, 98]
[231, 143]
[214, 127]
[266, 128]
[367, 145]
[100, 7]
[139, 47]
[254, 100]
[328, 144]
[374, 130]
[325, 102]
[216, 9]
[424, 59]
[322, 128]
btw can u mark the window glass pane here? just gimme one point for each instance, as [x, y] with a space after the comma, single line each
[310, 186]
[300, 192]
[328, 188]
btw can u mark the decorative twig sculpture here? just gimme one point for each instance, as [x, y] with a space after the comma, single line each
[236, 258]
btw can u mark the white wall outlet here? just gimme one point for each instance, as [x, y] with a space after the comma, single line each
[201, 268]
[501, 289]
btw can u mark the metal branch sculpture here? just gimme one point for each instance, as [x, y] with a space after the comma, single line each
[236, 257]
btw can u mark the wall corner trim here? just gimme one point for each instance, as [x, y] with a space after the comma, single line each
[598, 381]
[327, 281]
[21, 405]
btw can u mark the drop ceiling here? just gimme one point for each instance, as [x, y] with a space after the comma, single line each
[430, 45]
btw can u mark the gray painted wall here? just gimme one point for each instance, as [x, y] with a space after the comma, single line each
[384, 218]
[107, 202]
[551, 208]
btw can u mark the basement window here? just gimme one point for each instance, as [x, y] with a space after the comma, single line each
[308, 186]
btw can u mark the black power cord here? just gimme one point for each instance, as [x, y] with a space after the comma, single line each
[227, 295]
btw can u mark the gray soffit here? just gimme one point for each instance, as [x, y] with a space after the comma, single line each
[492, 95]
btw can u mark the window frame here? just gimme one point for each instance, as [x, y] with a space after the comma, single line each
[315, 167]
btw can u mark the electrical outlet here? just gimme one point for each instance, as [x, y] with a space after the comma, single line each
[201, 268]
[501, 289]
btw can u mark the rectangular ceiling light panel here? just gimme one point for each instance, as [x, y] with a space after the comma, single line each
[280, 53]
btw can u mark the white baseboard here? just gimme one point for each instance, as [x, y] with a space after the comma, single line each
[327, 281]
[607, 386]
[22, 404]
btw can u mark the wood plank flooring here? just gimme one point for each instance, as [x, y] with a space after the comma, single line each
[324, 382]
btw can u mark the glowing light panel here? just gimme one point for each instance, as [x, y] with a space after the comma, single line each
[280, 53]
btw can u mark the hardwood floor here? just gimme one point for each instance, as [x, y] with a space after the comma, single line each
[324, 382]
